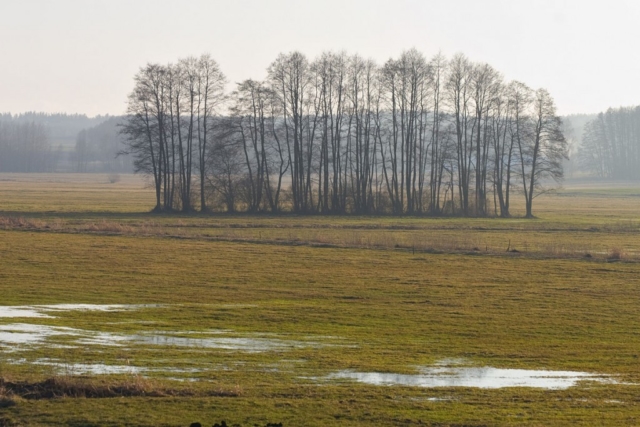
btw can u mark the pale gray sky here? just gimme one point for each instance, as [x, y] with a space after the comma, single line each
[79, 56]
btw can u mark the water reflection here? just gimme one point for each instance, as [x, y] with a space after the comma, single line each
[485, 377]
[42, 310]
[41, 335]
[24, 333]
[19, 311]
[223, 343]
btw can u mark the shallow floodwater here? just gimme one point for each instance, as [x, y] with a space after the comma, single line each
[25, 333]
[485, 377]
[90, 368]
[19, 311]
[69, 368]
[42, 335]
[42, 310]
[92, 307]
[240, 344]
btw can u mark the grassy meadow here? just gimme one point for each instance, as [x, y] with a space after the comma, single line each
[249, 318]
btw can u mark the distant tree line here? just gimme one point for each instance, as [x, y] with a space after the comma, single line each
[96, 149]
[611, 144]
[39, 142]
[341, 134]
[62, 128]
[24, 147]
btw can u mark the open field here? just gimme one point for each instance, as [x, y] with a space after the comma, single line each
[257, 319]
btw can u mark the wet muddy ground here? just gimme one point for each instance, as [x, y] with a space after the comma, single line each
[19, 338]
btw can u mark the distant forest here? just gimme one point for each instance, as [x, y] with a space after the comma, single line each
[611, 144]
[39, 142]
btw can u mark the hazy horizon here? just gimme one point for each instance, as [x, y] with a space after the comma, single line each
[72, 56]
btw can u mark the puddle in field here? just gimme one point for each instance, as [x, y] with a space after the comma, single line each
[89, 368]
[19, 311]
[431, 399]
[239, 344]
[65, 368]
[42, 310]
[20, 337]
[16, 334]
[103, 338]
[24, 333]
[485, 377]
[94, 307]
[168, 372]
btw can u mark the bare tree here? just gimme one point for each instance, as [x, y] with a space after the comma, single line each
[290, 82]
[541, 157]
[210, 95]
[250, 107]
[226, 168]
[503, 145]
[485, 83]
[459, 92]
[143, 129]
[438, 158]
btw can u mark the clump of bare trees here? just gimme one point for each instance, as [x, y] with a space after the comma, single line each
[170, 121]
[341, 134]
[611, 144]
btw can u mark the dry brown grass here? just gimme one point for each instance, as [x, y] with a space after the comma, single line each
[416, 238]
[616, 253]
[12, 392]
[7, 398]
[105, 226]
[12, 222]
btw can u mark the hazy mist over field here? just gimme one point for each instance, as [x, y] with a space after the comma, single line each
[75, 56]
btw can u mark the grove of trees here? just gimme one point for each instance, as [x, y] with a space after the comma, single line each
[341, 134]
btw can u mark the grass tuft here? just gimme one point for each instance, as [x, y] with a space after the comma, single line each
[616, 253]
